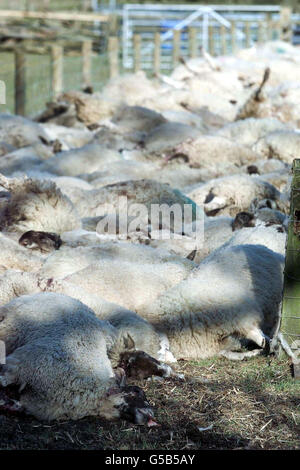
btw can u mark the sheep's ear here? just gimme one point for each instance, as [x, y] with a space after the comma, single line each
[192, 255]
[129, 342]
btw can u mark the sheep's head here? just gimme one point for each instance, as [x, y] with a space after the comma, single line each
[243, 219]
[44, 241]
[128, 402]
[36, 205]
[140, 365]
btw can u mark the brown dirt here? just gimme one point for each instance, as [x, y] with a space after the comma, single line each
[245, 405]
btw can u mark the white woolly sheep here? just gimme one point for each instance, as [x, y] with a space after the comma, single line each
[130, 284]
[58, 356]
[127, 323]
[215, 150]
[136, 118]
[231, 194]
[249, 131]
[36, 205]
[68, 137]
[14, 256]
[216, 230]
[168, 135]
[283, 145]
[148, 192]
[220, 230]
[272, 237]
[20, 132]
[235, 292]
[90, 157]
[69, 260]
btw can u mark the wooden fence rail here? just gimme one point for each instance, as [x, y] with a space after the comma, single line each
[113, 56]
[49, 15]
[87, 47]
[221, 40]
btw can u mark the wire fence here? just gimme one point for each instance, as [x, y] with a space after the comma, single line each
[147, 50]
[38, 78]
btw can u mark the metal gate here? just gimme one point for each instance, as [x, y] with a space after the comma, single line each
[147, 19]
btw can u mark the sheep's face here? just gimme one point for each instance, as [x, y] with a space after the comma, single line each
[130, 403]
[44, 241]
[140, 365]
[243, 219]
[135, 407]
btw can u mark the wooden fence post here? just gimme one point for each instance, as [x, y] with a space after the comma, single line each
[211, 44]
[20, 81]
[156, 58]
[223, 34]
[285, 24]
[276, 29]
[85, 5]
[290, 318]
[137, 52]
[176, 46]
[113, 56]
[248, 33]
[113, 25]
[233, 37]
[192, 32]
[57, 70]
[269, 27]
[87, 47]
[261, 33]
[46, 4]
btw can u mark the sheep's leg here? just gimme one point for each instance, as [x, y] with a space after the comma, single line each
[10, 368]
[8, 377]
[240, 356]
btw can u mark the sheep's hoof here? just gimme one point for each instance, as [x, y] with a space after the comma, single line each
[266, 346]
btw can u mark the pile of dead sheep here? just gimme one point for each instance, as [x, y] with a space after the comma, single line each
[85, 304]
